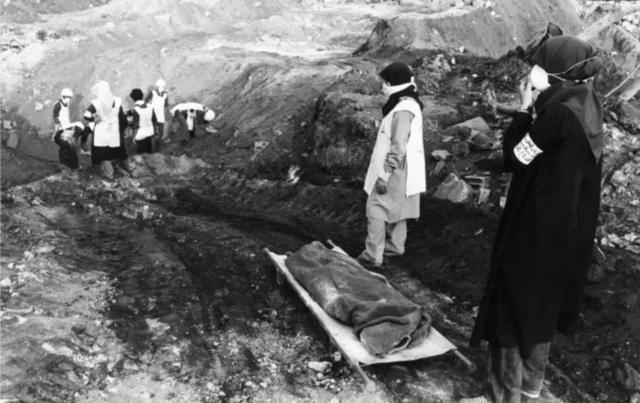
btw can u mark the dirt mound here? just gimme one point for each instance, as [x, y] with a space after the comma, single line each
[486, 28]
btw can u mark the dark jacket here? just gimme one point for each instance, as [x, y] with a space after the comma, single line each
[545, 235]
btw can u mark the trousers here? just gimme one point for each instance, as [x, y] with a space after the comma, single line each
[515, 379]
[384, 237]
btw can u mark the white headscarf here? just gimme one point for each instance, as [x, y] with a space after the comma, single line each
[105, 98]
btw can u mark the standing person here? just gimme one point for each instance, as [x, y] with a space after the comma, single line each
[144, 120]
[159, 99]
[396, 174]
[108, 134]
[190, 115]
[67, 139]
[61, 116]
[545, 235]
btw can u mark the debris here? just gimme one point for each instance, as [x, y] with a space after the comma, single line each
[503, 201]
[258, 146]
[337, 357]
[441, 155]
[478, 181]
[439, 167]
[453, 189]
[446, 139]
[619, 179]
[478, 232]
[632, 378]
[478, 124]
[13, 140]
[483, 196]
[322, 367]
[77, 329]
[6, 282]
[482, 141]
[38, 106]
[596, 273]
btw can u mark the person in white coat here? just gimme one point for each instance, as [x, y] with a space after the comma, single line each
[144, 120]
[190, 115]
[159, 101]
[61, 116]
[397, 175]
[108, 133]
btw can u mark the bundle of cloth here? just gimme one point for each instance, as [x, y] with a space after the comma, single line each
[383, 319]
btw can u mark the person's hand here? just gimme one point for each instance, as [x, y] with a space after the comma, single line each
[526, 93]
[96, 119]
[381, 186]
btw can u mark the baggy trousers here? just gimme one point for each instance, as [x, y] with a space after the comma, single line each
[383, 236]
[515, 379]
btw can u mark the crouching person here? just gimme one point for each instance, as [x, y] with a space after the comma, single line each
[396, 174]
[108, 134]
[190, 115]
[67, 139]
[144, 121]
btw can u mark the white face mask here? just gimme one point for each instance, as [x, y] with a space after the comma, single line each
[540, 78]
[386, 89]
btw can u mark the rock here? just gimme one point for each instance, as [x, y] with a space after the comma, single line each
[38, 106]
[635, 398]
[6, 282]
[110, 25]
[14, 140]
[454, 189]
[441, 155]
[45, 249]
[77, 329]
[630, 117]
[619, 179]
[632, 378]
[596, 273]
[475, 124]
[322, 367]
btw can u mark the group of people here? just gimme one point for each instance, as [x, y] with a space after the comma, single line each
[546, 233]
[107, 121]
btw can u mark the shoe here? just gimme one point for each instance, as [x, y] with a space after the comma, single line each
[366, 262]
[479, 399]
[390, 253]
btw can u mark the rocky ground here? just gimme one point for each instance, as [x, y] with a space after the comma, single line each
[155, 286]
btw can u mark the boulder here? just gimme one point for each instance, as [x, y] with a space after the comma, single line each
[629, 117]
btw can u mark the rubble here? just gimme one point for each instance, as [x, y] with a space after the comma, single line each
[320, 366]
[478, 124]
[454, 189]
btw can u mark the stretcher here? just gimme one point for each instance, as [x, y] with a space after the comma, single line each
[345, 339]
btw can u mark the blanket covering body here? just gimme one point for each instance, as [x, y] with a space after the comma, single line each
[383, 319]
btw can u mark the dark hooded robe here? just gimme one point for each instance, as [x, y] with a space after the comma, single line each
[546, 232]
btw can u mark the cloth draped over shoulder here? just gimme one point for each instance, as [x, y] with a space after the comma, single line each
[384, 320]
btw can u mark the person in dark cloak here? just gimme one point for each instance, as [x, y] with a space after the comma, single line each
[546, 233]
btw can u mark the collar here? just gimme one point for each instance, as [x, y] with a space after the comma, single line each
[140, 103]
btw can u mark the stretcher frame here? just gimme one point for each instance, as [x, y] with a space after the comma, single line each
[345, 340]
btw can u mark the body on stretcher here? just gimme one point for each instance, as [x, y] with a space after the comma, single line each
[345, 339]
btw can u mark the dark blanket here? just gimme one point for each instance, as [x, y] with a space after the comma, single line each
[384, 320]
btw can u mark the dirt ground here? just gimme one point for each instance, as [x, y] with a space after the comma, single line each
[155, 286]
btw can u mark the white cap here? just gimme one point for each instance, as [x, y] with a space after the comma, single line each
[160, 83]
[209, 115]
[66, 93]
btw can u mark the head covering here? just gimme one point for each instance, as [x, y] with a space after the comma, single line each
[104, 98]
[160, 83]
[66, 93]
[400, 76]
[209, 115]
[136, 94]
[572, 61]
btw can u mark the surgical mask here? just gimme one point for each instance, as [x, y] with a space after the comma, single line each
[386, 89]
[540, 78]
